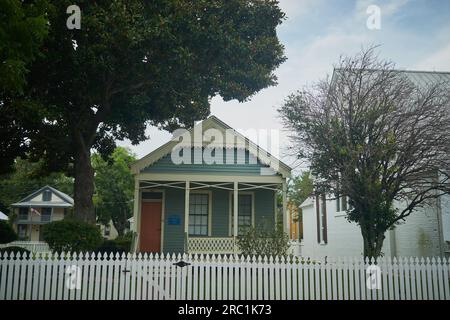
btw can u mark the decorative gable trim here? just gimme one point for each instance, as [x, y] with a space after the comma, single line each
[239, 141]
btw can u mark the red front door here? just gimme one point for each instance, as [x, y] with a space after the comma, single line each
[150, 238]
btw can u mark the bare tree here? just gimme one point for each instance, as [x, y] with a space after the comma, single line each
[373, 135]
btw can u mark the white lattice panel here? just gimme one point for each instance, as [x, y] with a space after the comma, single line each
[211, 245]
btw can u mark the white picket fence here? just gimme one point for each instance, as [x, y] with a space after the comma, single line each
[140, 277]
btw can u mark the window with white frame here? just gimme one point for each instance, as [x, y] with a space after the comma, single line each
[198, 214]
[341, 203]
[46, 214]
[245, 209]
[107, 231]
[47, 195]
[344, 206]
[23, 213]
[22, 231]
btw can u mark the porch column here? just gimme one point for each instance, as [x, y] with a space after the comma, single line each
[186, 214]
[235, 214]
[235, 209]
[136, 215]
[286, 225]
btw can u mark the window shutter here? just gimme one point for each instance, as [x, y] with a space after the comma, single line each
[318, 217]
[324, 219]
[344, 203]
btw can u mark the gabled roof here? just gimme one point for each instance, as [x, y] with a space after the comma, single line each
[308, 202]
[213, 122]
[66, 200]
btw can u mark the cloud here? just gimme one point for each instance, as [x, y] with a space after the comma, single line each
[326, 49]
[387, 7]
[296, 8]
[437, 61]
[157, 138]
[393, 7]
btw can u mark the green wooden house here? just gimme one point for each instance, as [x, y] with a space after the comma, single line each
[185, 191]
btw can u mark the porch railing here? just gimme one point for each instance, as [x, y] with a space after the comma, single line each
[31, 219]
[211, 245]
[33, 246]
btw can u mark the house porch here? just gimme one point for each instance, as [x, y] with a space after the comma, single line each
[199, 214]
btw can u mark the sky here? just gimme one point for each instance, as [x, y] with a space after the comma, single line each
[415, 34]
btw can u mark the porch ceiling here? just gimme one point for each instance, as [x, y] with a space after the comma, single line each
[173, 177]
[195, 185]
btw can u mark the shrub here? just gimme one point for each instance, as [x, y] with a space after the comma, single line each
[125, 241]
[122, 244]
[111, 246]
[72, 235]
[264, 240]
[7, 233]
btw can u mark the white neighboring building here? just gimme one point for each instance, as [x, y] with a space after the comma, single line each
[109, 232]
[39, 208]
[327, 232]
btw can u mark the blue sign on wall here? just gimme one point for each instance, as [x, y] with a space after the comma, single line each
[174, 220]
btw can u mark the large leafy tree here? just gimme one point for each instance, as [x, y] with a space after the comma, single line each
[114, 188]
[300, 188]
[136, 62]
[373, 135]
[23, 28]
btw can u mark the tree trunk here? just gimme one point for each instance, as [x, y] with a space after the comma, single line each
[84, 184]
[373, 242]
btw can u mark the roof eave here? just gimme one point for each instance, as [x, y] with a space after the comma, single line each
[41, 205]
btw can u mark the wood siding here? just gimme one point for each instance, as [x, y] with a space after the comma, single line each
[174, 206]
[243, 163]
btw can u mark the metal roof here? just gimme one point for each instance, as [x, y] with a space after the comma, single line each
[419, 78]
[42, 204]
[426, 78]
[3, 216]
